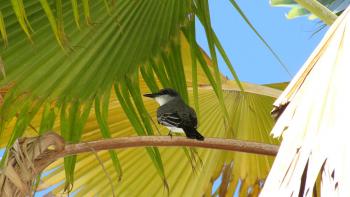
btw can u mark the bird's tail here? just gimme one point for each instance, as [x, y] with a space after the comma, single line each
[193, 133]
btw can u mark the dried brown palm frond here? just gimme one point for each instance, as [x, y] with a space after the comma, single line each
[315, 122]
[26, 159]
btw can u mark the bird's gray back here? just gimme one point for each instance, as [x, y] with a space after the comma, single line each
[179, 108]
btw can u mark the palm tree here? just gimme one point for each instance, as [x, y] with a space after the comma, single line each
[82, 69]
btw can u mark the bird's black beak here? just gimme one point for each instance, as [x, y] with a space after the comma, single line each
[153, 95]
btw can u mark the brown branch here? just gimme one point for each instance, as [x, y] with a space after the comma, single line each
[41, 151]
[144, 141]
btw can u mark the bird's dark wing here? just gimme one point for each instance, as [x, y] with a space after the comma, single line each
[193, 118]
[171, 119]
[177, 114]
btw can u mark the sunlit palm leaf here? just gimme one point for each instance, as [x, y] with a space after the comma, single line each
[314, 122]
[250, 119]
[279, 86]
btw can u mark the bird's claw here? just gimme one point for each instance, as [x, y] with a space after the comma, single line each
[169, 134]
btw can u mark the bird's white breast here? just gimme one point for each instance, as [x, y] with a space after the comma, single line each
[176, 130]
[163, 99]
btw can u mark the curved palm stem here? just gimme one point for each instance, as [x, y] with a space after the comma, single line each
[62, 149]
[49, 147]
[144, 141]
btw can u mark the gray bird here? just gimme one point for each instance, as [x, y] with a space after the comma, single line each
[175, 114]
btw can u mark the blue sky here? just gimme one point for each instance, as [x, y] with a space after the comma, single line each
[291, 39]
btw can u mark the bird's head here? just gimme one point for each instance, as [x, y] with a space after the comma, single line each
[163, 96]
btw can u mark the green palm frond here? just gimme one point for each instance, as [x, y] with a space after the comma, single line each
[98, 55]
[81, 70]
[336, 6]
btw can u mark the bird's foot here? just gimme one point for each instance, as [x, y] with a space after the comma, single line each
[170, 134]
